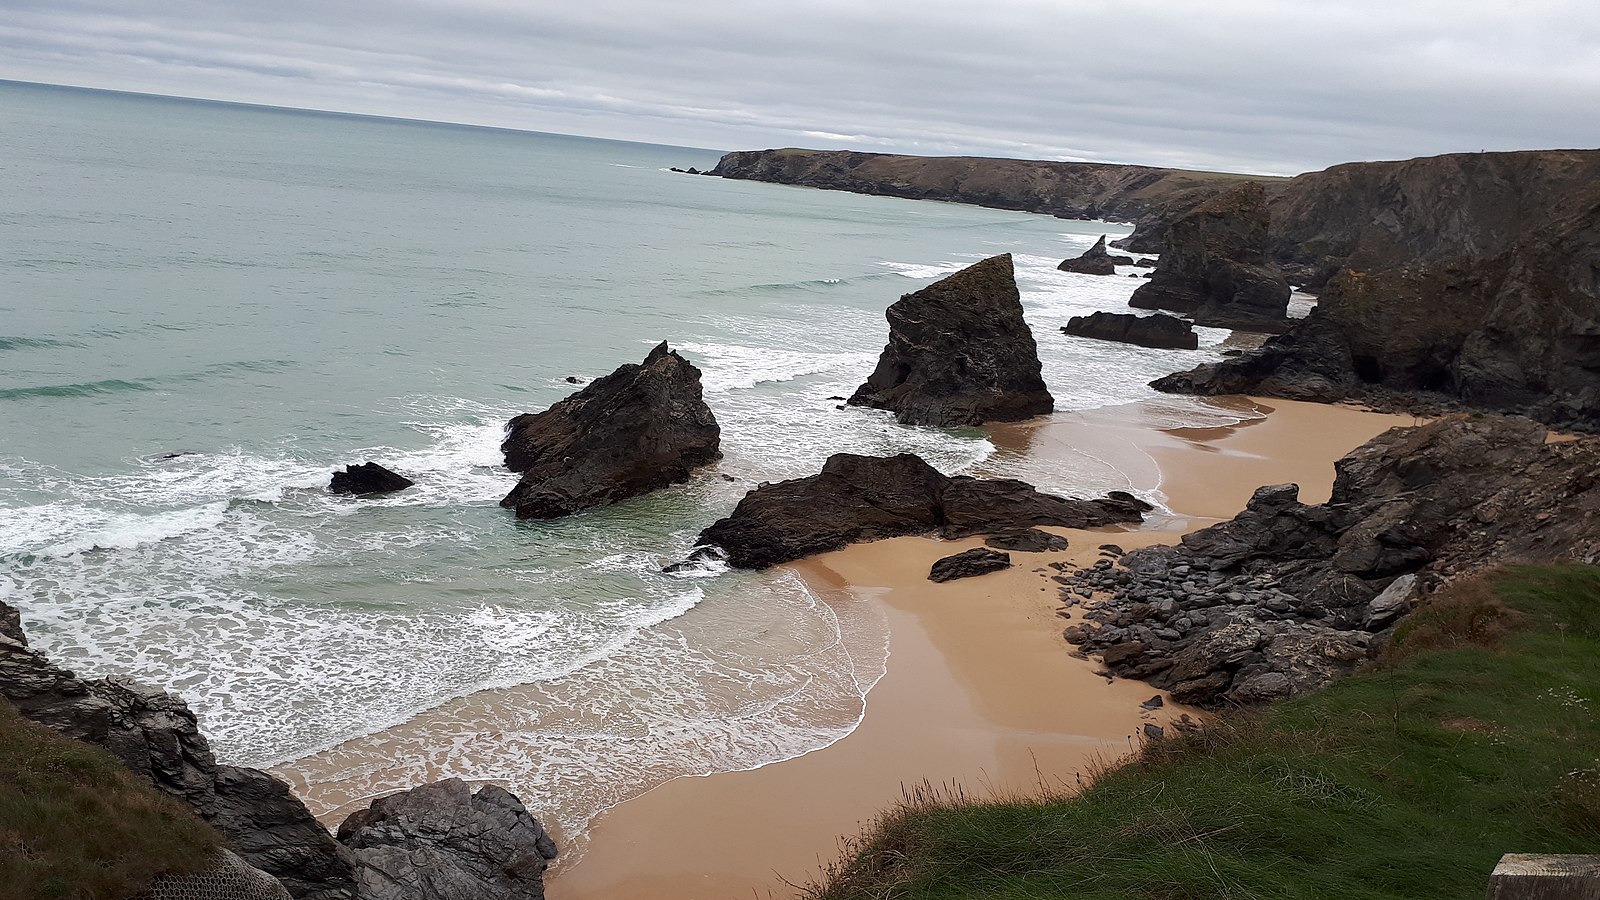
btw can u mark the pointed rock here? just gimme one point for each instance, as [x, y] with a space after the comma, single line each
[1095, 261]
[960, 353]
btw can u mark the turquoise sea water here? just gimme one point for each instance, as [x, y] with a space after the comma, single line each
[205, 308]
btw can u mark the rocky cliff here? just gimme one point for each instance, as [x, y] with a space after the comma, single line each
[1142, 195]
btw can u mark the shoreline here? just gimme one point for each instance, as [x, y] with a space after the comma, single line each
[981, 690]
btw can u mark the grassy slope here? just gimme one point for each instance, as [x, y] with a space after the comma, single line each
[1408, 781]
[75, 824]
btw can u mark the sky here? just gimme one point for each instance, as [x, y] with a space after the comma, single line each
[1237, 85]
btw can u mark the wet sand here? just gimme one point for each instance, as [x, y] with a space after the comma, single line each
[980, 688]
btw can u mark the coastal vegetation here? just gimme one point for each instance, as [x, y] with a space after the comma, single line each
[1472, 736]
[76, 824]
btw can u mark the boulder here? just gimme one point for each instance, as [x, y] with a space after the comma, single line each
[640, 428]
[968, 563]
[959, 353]
[442, 842]
[1160, 331]
[1095, 261]
[367, 478]
[1216, 263]
[156, 736]
[1026, 540]
[867, 498]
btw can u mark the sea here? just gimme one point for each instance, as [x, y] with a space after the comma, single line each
[207, 308]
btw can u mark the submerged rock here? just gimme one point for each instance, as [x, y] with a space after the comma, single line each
[442, 842]
[867, 498]
[640, 428]
[1160, 331]
[1216, 264]
[959, 353]
[367, 478]
[1095, 261]
[969, 563]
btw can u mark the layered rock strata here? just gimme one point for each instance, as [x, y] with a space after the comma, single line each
[641, 428]
[959, 353]
[1286, 596]
[867, 498]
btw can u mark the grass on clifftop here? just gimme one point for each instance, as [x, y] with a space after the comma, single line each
[1478, 735]
[75, 824]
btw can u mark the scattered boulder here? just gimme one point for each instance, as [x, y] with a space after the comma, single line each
[368, 478]
[1160, 331]
[640, 428]
[156, 736]
[1095, 261]
[442, 842]
[1287, 596]
[968, 563]
[867, 498]
[1216, 264]
[959, 353]
[1026, 540]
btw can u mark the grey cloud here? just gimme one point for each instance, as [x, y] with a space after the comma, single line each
[1236, 84]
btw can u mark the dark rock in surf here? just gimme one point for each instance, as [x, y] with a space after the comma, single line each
[959, 353]
[440, 841]
[640, 428]
[867, 498]
[1095, 261]
[1216, 262]
[368, 478]
[1159, 331]
[1026, 540]
[969, 563]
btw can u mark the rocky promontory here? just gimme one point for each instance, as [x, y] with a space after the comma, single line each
[1286, 596]
[959, 353]
[640, 428]
[867, 498]
[1215, 266]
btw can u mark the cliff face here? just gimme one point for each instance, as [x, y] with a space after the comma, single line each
[1145, 196]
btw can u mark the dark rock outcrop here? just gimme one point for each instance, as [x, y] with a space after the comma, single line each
[155, 735]
[442, 842]
[868, 498]
[1216, 266]
[1095, 261]
[969, 563]
[959, 353]
[1026, 540]
[640, 428]
[1160, 331]
[367, 478]
[1286, 596]
[1309, 362]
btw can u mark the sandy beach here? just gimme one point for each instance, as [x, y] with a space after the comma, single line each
[980, 688]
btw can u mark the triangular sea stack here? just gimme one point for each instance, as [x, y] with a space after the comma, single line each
[960, 353]
[640, 428]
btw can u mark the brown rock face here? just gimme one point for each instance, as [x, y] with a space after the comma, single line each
[640, 428]
[1216, 263]
[959, 353]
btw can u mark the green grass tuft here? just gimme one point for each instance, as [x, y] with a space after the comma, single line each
[1476, 736]
[75, 824]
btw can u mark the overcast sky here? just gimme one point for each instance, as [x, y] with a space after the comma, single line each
[1244, 85]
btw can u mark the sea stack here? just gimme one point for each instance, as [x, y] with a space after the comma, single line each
[1216, 266]
[640, 428]
[959, 353]
[368, 478]
[1095, 261]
